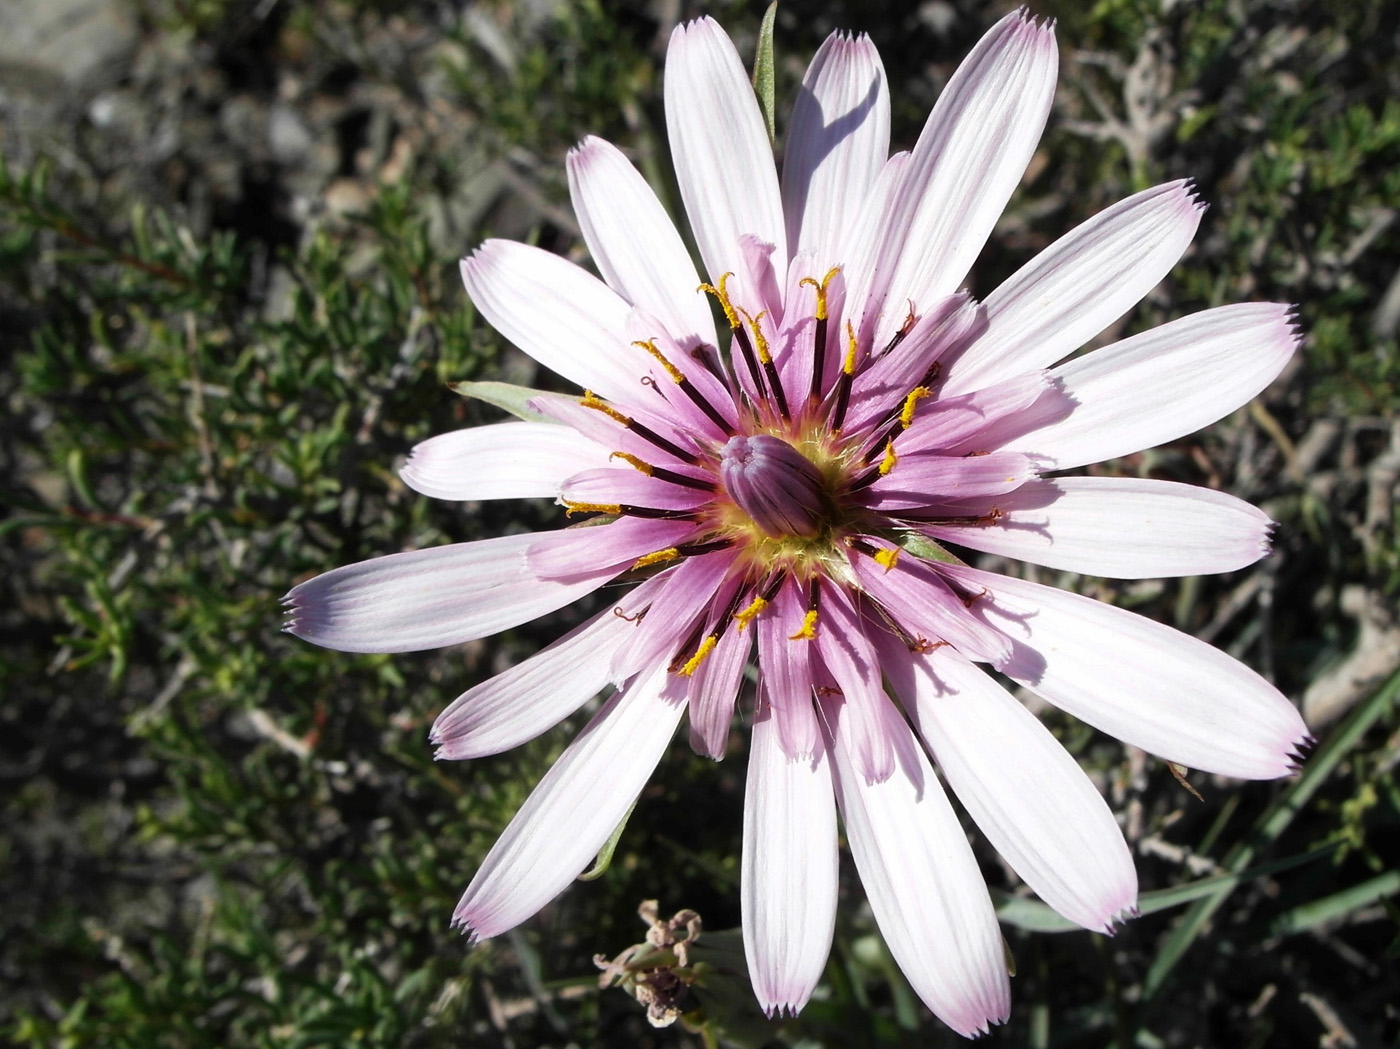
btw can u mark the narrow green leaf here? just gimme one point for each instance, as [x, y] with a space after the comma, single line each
[1338, 905]
[763, 69]
[1034, 916]
[504, 395]
[605, 854]
[923, 546]
[1271, 824]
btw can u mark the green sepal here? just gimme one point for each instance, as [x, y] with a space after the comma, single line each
[763, 69]
[605, 854]
[924, 547]
[504, 395]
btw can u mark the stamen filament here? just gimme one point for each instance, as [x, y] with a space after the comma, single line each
[808, 630]
[571, 508]
[904, 329]
[688, 387]
[641, 464]
[592, 400]
[917, 394]
[677, 376]
[749, 614]
[657, 557]
[765, 358]
[819, 339]
[693, 664]
[888, 462]
[843, 384]
[722, 294]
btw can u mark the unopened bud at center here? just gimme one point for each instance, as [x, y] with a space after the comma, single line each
[775, 484]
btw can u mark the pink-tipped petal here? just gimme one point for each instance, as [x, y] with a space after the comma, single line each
[719, 143]
[922, 881]
[967, 162]
[690, 589]
[837, 142]
[1121, 528]
[574, 809]
[785, 672]
[1145, 683]
[960, 425]
[854, 668]
[1078, 286]
[882, 387]
[1164, 383]
[924, 479]
[430, 598]
[789, 877]
[927, 608]
[622, 485]
[634, 242]
[1029, 797]
[532, 696]
[584, 552]
[605, 430]
[516, 460]
[562, 316]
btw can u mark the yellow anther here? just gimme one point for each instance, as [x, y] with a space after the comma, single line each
[600, 405]
[706, 647]
[657, 558]
[821, 289]
[760, 342]
[650, 346]
[590, 508]
[722, 294]
[887, 463]
[640, 464]
[849, 367]
[809, 628]
[748, 615]
[917, 394]
[888, 558]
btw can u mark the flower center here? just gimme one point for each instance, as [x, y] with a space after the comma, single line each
[776, 485]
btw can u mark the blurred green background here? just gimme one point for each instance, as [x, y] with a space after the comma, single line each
[229, 305]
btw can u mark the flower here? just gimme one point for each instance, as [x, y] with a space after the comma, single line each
[791, 495]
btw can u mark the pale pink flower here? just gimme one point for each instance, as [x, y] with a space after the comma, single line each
[764, 496]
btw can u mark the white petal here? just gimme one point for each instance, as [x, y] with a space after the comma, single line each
[1078, 286]
[532, 696]
[1164, 383]
[789, 880]
[1145, 683]
[429, 598]
[837, 142]
[1028, 796]
[723, 160]
[922, 882]
[634, 242]
[561, 315]
[573, 811]
[967, 162]
[1121, 528]
[516, 460]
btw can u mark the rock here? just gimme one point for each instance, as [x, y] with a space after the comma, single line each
[77, 42]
